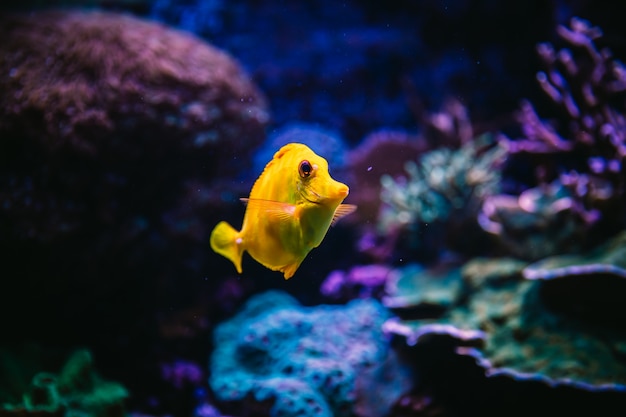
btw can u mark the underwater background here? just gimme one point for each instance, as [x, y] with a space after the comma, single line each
[483, 273]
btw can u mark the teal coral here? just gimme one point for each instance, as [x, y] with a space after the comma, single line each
[443, 183]
[302, 360]
[413, 287]
[518, 330]
[609, 258]
[76, 390]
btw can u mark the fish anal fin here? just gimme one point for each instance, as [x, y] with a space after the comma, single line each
[289, 270]
[276, 209]
[342, 211]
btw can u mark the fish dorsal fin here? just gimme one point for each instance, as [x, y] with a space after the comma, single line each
[286, 148]
[276, 209]
[342, 211]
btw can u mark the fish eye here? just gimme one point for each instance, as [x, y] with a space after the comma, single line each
[305, 169]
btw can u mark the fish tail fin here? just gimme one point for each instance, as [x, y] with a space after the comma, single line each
[226, 241]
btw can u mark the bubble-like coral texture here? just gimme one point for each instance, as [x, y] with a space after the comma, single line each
[99, 100]
[303, 360]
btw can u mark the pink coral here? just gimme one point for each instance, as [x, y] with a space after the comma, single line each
[381, 152]
[96, 103]
[77, 77]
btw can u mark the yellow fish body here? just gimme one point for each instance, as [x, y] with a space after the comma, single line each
[291, 206]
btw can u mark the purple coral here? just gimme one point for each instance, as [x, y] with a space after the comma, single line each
[181, 373]
[364, 281]
[120, 109]
[114, 132]
[521, 224]
[381, 152]
[588, 86]
[580, 199]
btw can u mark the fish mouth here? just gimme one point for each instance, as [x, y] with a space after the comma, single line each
[314, 197]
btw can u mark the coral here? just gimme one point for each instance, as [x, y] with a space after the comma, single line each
[119, 139]
[379, 153]
[527, 330]
[586, 83]
[417, 404]
[364, 281]
[385, 152]
[529, 339]
[378, 388]
[154, 77]
[324, 142]
[589, 287]
[442, 182]
[588, 87]
[76, 390]
[424, 292]
[181, 373]
[445, 188]
[541, 221]
[130, 93]
[449, 127]
[299, 360]
[458, 380]
[435, 207]
[609, 258]
[418, 332]
[553, 330]
[207, 410]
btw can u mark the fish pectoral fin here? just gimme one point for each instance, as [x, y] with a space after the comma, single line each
[342, 211]
[276, 209]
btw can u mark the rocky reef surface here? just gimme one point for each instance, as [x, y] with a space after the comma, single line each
[554, 324]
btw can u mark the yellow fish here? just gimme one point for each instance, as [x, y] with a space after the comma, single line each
[291, 206]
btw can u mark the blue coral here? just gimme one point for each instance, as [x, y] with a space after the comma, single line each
[325, 142]
[303, 359]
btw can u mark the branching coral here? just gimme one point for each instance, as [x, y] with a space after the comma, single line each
[589, 88]
[588, 85]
